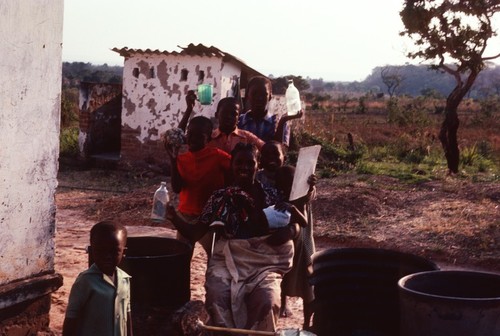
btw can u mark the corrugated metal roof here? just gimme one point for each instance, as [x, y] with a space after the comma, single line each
[191, 50]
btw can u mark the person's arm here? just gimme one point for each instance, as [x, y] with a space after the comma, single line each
[284, 234]
[175, 177]
[192, 232]
[311, 194]
[130, 331]
[296, 216]
[190, 101]
[280, 129]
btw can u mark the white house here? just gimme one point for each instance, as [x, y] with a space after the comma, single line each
[155, 84]
[30, 67]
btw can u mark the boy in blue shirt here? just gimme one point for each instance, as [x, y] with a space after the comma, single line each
[257, 119]
[99, 301]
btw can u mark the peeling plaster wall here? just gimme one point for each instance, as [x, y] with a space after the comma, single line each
[154, 100]
[30, 68]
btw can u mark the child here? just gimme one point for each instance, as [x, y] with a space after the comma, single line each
[272, 158]
[243, 275]
[227, 135]
[257, 119]
[198, 172]
[99, 301]
[295, 282]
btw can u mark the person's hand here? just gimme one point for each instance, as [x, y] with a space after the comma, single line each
[283, 206]
[172, 151]
[312, 180]
[171, 213]
[282, 235]
[299, 115]
[190, 99]
[296, 116]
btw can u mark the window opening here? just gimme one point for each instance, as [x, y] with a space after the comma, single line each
[184, 75]
[135, 72]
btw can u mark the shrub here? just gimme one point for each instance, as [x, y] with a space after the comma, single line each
[68, 142]
[490, 106]
[469, 155]
[332, 157]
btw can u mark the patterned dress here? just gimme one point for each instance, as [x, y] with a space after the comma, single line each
[244, 273]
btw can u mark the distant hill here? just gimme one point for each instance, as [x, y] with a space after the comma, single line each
[415, 80]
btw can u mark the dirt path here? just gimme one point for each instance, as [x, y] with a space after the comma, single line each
[452, 222]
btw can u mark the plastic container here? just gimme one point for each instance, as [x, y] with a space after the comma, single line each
[292, 95]
[160, 200]
[452, 302]
[356, 290]
[205, 92]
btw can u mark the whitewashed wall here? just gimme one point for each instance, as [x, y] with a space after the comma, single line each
[153, 104]
[30, 85]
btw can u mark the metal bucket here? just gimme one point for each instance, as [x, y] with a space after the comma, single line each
[160, 270]
[458, 303]
[356, 290]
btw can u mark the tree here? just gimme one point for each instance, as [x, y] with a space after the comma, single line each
[392, 78]
[281, 83]
[453, 33]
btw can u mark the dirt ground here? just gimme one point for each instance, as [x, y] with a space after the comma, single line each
[453, 222]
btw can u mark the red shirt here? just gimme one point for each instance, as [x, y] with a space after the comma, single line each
[202, 173]
[227, 142]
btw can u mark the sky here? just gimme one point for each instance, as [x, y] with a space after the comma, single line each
[329, 39]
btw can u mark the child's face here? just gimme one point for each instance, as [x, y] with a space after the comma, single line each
[107, 251]
[197, 137]
[228, 117]
[244, 167]
[258, 97]
[272, 157]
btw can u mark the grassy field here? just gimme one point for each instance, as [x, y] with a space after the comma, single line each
[401, 140]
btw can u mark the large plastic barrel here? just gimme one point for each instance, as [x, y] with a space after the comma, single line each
[458, 303]
[160, 270]
[356, 290]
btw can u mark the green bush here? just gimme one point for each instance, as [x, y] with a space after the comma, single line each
[68, 142]
[469, 156]
[332, 157]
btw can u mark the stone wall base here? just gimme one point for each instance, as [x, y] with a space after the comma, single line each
[25, 305]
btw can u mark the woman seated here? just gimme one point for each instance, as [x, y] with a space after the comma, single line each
[247, 264]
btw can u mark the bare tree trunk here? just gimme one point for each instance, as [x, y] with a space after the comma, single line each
[448, 138]
[449, 127]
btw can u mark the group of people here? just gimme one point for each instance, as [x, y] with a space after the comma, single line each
[234, 189]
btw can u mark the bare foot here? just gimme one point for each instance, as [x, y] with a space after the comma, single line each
[285, 312]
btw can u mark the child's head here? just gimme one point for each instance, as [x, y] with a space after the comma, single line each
[272, 156]
[259, 90]
[228, 111]
[244, 163]
[199, 133]
[107, 243]
[284, 180]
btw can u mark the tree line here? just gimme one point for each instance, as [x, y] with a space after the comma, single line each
[412, 80]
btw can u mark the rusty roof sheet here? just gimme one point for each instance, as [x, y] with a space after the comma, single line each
[191, 50]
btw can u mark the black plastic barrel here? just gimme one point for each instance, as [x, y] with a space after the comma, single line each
[458, 303]
[160, 270]
[356, 290]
